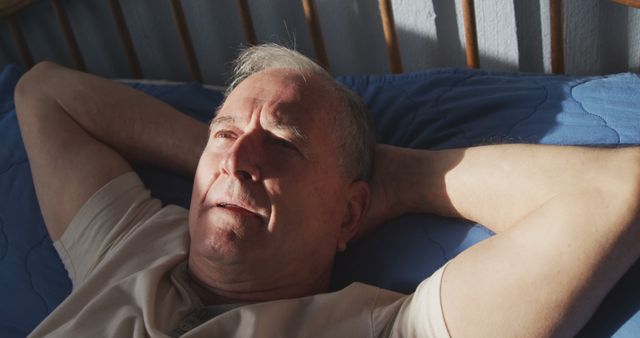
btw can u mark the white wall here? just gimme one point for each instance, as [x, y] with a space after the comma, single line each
[513, 35]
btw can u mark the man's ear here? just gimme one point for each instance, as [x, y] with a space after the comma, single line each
[357, 203]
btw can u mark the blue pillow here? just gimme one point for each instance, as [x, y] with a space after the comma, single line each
[449, 108]
[33, 280]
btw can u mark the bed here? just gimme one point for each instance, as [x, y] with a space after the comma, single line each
[431, 108]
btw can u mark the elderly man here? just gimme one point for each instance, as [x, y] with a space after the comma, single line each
[282, 182]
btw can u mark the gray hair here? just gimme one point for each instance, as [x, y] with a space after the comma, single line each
[353, 131]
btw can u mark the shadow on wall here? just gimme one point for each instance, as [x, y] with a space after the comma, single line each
[529, 31]
[614, 35]
[597, 35]
[449, 47]
[357, 46]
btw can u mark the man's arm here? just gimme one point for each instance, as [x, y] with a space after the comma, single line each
[81, 131]
[566, 224]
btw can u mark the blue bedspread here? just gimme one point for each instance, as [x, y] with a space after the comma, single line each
[436, 109]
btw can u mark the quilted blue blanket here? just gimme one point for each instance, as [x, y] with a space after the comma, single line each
[436, 109]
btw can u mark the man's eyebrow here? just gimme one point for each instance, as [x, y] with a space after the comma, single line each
[221, 119]
[297, 133]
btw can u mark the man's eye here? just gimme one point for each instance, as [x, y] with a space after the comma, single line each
[284, 143]
[224, 134]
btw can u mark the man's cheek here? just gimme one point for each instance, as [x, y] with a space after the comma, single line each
[208, 168]
[199, 188]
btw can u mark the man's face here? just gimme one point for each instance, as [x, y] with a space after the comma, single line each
[268, 194]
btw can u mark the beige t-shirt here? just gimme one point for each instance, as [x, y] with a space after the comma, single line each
[124, 253]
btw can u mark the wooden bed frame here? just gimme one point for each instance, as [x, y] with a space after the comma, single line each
[9, 8]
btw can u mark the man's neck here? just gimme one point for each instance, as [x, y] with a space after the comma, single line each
[215, 291]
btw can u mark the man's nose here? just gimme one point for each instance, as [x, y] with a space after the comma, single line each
[243, 160]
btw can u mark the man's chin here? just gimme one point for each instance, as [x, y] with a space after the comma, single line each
[223, 243]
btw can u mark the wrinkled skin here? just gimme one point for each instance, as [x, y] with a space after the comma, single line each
[270, 204]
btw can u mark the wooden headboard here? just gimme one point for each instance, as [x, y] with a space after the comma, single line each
[10, 13]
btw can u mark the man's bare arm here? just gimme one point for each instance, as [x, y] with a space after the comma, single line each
[567, 229]
[81, 131]
[493, 185]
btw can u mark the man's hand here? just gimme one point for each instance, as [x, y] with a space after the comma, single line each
[406, 181]
[386, 202]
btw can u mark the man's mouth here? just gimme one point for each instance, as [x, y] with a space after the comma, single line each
[230, 206]
[238, 209]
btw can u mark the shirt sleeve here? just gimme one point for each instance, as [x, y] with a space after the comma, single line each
[102, 222]
[417, 315]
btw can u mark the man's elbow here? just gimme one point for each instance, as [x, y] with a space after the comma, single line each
[623, 186]
[34, 95]
[629, 173]
[634, 177]
[33, 83]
